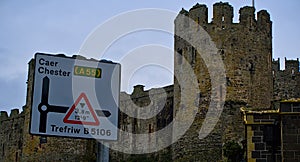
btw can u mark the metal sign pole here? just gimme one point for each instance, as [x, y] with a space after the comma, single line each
[102, 153]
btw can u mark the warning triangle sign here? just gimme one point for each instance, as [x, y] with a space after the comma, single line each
[81, 112]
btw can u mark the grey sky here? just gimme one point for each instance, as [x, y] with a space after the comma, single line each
[57, 26]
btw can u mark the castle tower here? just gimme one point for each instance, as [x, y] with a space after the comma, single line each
[246, 52]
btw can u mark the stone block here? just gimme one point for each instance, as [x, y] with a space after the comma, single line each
[296, 109]
[258, 133]
[288, 154]
[260, 146]
[261, 160]
[291, 146]
[290, 138]
[256, 154]
[257, 139]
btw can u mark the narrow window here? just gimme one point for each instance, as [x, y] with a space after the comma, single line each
[17, 157]
[251, 68]
[3, 153]
[221, 93]
[223, 18]
[194, 53]
[179, 57]
[134, 125]
[222, 52]
[150, 129]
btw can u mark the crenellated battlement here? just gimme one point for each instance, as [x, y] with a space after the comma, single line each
[199, 13]
[14, 113]
[264, 20]
[286, 81]
[245, 48]
[276, 65]
[223, 14]
[290, 65]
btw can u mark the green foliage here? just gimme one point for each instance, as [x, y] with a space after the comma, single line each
[233, 151]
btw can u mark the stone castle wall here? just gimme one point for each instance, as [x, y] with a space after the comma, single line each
[18, 145]
[287, 81]
[160, 100]
[11, 135]
[246, 51]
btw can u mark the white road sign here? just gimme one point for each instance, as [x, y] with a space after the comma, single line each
[75, 97]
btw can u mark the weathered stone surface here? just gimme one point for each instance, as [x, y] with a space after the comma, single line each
[151, 100]
[246, 51]
[287, 81]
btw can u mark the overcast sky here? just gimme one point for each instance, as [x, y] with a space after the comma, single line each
[61, 26]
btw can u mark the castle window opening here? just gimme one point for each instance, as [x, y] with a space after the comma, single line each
[193, 55]
[223, 18]
[150, 128]
[134, 125]
[3, 153]
[179, 57]
[251, 67]
[222, 51]
[17, 156]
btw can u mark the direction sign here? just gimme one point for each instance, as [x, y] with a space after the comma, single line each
[75, 97]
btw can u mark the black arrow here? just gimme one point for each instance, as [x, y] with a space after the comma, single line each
[103, 113]
[45, 90]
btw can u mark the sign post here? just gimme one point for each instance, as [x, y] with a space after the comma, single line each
[75, 97]
[102, 153]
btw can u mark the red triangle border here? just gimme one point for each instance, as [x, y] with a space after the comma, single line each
[66, 118]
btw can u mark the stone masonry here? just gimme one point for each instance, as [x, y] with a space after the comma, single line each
[159, 99]
[273, 135]
[287, 81]
[253, 81]
[246, 51]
